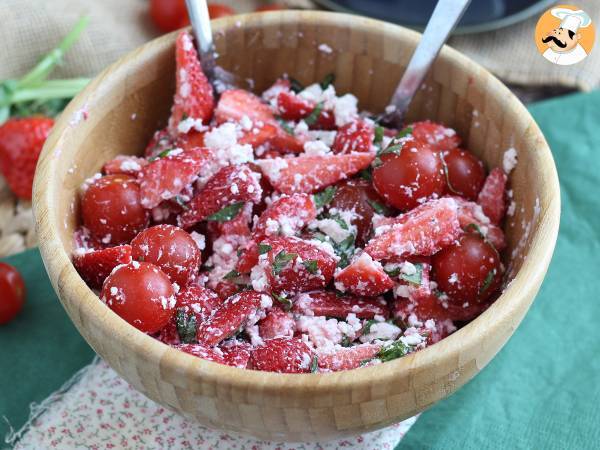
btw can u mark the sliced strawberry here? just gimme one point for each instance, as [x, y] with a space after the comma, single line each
[364, 277]
[438, 136]
[189, 141]
[422, 231]
[161, 141]
[356, 136]
[129, 165]
[330, 304]
[423, 309]
[470, 214]
[282, 355]
[346, 358]
[229, 318]
[226, 289]
[312, 173]
[231, 184]
[94, 266]
[280, 85]
[293, 107]
[199, 300]
[235, 104]
[492, 196]
[202, 351]
[248, 257]
[277, 323]
[165, 178]
[236, 353]
[285, 216]
[193, 92]
[295, 265]
[238, 226]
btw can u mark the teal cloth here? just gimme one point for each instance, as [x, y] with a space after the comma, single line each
[39, 350]
[541, 391]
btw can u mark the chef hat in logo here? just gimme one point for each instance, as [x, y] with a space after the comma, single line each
[572, 20]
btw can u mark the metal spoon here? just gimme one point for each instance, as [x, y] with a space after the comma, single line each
[200, 20]
[446, 15]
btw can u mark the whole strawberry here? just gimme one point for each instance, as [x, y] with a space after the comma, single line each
[21, 141]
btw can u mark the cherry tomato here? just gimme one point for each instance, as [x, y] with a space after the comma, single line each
[466, 174]
[270, 7]
[216, 10]
[112, 211]
[141, 294]
[468, 271]
[168, 15]
[12, 289]
[170, 248]
[359, 196]
[407, 178]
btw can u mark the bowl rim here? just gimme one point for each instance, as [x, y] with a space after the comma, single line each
[58, 261]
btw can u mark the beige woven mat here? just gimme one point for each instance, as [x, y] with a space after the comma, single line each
[30, 28]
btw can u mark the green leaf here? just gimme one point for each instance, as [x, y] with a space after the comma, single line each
[314, 115]
[403, 132]
[231, 275]
[346, 341]
[366, 174]
[476, 228]
[367, 326]
[227, 213]
[345, 250]
[281, 260]
[285, 302]
[311, 265]
[341, 222]
[415, 278]
[394, 148]
[295, 85]
[329, 79]
[379, 133]
[393, 272]
[314, 365]
[186, 326]
[162, 154]
[286, 126]
[396, 349]
[324, 197]
[264, 248]
[379, 208]
[488, 281]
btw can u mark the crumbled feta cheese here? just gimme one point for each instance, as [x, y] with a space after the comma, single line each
[509, 160]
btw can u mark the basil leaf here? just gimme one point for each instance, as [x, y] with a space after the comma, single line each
[227, 213]
[379, 208]
[394, 148]
[396, 349]
[264, 248]
[404, 132]
[314, 115]
[366, 174]
[311, 265]
[488, 281]
[379, 133]
[393, 272]
[286, 127]
[324, 197]
[415, 278]
[476, 228]
[345, 341]
[295, 85]
[329, 79]
[314, 365]
[231, 275]
[162, 154]
[367, 326]
[286, 302]
[281, 260]
[186, 326]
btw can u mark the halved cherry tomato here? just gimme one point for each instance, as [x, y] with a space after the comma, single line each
[465, 173]
[12, 289]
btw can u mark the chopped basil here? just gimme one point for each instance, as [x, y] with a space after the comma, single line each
[379, 133]
[227, 213]
[186, 326]
[415, 278]
[394, 350]
[295, 85]
[393, 272]
[379, 208]
[345, 250]
[395, 149]
[231, 275]
[346, 341]
[488, 281]
[314, 365]
[404, 132]
[281, 260]
[324, 197]
[366, 174]
[264, 248]
[367, 326]
[476, 228]
[337, 218]
[162, 154]
[329, 79]
[312, 118]
[286, 127]
[286, 302]
[311, 265]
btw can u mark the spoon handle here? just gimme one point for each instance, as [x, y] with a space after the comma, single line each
[200, 20]
[445, 16]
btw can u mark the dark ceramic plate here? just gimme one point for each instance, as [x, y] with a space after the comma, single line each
[482, 15]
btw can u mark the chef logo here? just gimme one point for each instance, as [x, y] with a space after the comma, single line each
[564, 35]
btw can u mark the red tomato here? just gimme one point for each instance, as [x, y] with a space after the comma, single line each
[12, 288]
[141, 294]
[170, 248]
[359, 196]
[216, 10]
[467, 271]
[270, 7]
[168, 15]
[407, 178]
[466, 174]
[111, 209]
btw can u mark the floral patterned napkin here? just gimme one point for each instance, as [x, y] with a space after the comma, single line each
[99, 410]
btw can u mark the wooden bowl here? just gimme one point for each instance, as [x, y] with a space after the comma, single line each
[118, 112]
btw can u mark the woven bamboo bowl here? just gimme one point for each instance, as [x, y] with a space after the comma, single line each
[118, 112]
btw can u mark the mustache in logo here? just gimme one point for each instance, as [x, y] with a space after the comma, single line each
[556, 41]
